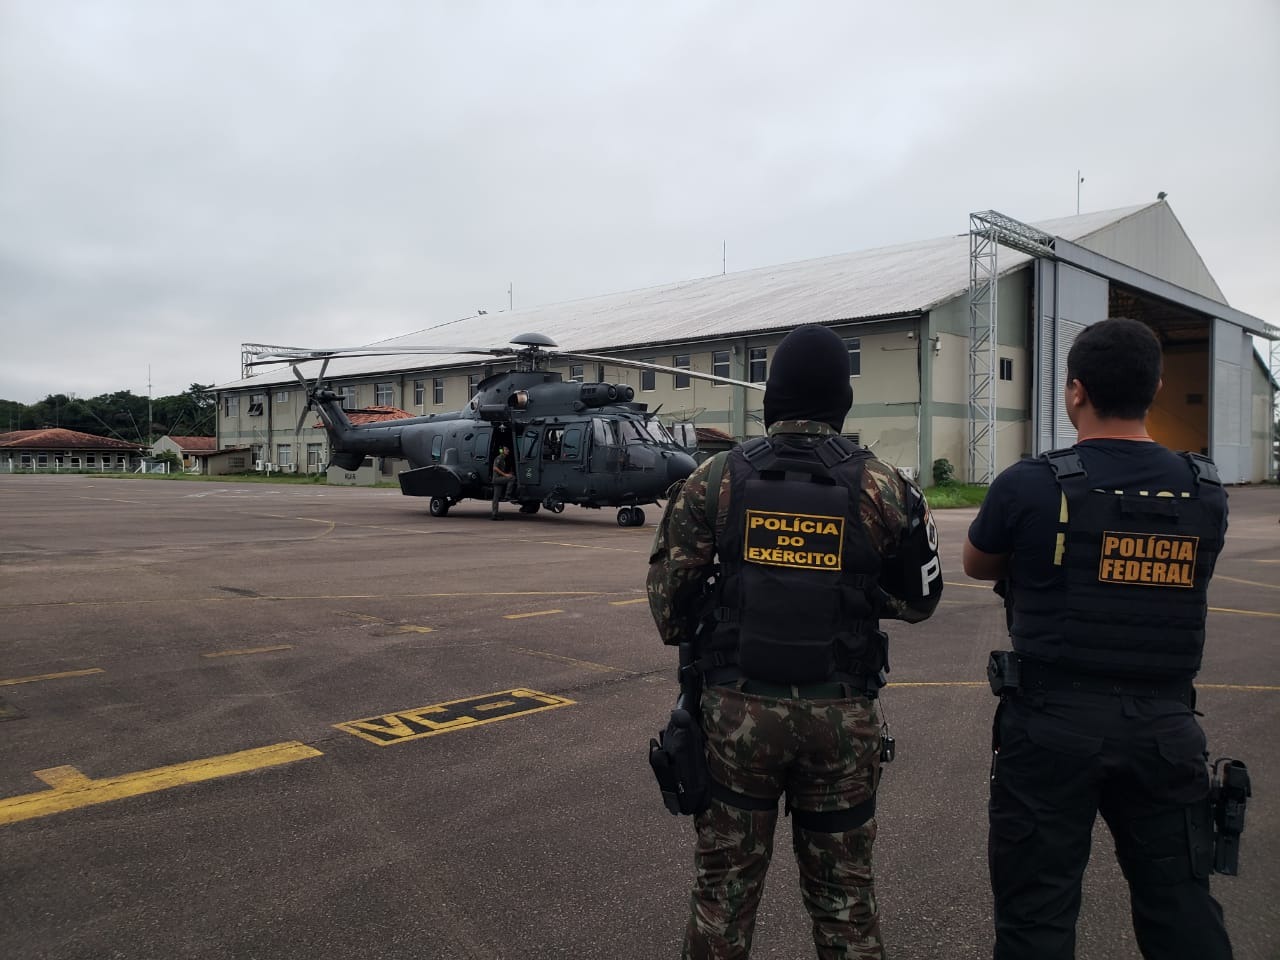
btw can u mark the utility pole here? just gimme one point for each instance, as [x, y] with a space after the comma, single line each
[150, 418]
[724, 257]
[510, 296]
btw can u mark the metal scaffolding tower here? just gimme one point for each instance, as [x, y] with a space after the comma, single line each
[988, 231]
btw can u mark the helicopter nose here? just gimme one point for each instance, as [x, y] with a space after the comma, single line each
[679, 466]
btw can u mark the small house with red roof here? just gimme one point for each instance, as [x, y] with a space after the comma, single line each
[56, 448]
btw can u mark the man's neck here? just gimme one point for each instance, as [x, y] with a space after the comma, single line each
[1108, 428]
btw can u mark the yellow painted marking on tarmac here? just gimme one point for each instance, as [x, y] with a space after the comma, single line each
[108, 500]
[1244, 613]
[589, 664]
[1249, 583]
[63, 778]
[71, 790]
[307, 598]
[536, 613]
[971, 586]
[623, 603]
[51, 676]
[429, 721]
[248, 650]
[413, 628]
[937, 683]
[1238, 686]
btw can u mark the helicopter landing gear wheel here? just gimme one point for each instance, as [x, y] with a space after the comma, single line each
[530, 506]
[630, 517]
[439, 506]
[555, 506]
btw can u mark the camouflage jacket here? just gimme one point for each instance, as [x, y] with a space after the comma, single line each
[683, 553]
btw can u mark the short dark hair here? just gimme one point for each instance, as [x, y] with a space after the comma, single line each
[1118, 361]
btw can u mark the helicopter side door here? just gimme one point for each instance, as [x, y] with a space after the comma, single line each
[529, 458]
[606, 447]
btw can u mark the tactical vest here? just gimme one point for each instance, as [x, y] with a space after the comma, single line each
[797, 572]
[1133, 569]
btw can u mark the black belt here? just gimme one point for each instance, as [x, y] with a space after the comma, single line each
[832, 690]
[1036, 676]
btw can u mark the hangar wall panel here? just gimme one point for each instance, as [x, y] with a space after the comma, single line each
[1232, 426]
[1067, 301]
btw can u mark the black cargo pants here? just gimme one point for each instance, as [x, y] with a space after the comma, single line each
[1059, 760]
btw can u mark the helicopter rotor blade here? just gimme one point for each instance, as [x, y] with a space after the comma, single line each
[643, 365]
[267, 354]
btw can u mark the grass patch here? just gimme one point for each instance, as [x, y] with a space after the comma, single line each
[955, 495]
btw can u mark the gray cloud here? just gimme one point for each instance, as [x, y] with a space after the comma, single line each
[178, 178]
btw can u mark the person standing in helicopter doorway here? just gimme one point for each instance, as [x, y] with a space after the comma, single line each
[502, 478]
[780, 589]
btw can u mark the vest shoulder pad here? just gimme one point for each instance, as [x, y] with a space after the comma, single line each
[1205, 470]
[1065, 463]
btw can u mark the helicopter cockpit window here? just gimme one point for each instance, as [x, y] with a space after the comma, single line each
[554, 440]
[658, 432]
[634, 432]
[572, 444]
[436, 443]
[605, 432]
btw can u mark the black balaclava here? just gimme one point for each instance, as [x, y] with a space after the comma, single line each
[809, 378]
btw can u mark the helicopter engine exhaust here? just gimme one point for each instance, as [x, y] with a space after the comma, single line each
[601, 394]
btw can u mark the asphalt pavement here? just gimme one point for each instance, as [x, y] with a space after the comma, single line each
[289, 721]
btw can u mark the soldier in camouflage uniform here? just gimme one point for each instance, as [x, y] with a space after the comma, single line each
[812, 543]
[790, 653]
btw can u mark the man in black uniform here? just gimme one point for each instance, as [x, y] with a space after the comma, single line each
[1106, 550]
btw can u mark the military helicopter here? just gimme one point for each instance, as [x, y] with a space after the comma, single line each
[588, 444]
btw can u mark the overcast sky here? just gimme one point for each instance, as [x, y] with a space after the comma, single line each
[177, 177]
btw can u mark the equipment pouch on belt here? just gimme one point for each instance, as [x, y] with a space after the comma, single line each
[678, 756]
[1230, 790]
[1002, 672]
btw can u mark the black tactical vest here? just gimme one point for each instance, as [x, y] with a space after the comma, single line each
[1133, 569]
[797, 572]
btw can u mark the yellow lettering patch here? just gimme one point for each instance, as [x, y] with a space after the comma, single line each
[800, 540]
[453, 715]
[1148, 559]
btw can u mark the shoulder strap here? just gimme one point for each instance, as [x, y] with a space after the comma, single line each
[1204, 469]
[1065, 463]
[714, 475]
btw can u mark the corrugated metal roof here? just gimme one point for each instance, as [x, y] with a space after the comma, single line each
[888, 281]
[60, 438]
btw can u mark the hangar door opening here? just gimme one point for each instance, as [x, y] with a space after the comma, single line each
[1181, 416]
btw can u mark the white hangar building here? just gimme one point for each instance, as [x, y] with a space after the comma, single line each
[957, 347]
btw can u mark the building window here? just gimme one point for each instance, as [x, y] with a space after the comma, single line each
[42, 460]
[382, 395]
[758, 365]
[284, 454]
[235, 463]
[680, 381]
[473, 382]
[854, 346]
[26, 459]
[648, 378]
[256, 402]
[576, 373]
[314, 452]
[1006, 368]
[437, 390]
[348, 396]
[720, 364]
[282, 396]
[419, 392]
[231, 405]
[90, 459]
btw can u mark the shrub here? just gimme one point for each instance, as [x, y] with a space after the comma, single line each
[944, 474]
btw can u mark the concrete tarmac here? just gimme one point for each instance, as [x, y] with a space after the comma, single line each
[287, 721]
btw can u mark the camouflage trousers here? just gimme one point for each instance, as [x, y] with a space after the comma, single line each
[825, 756]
